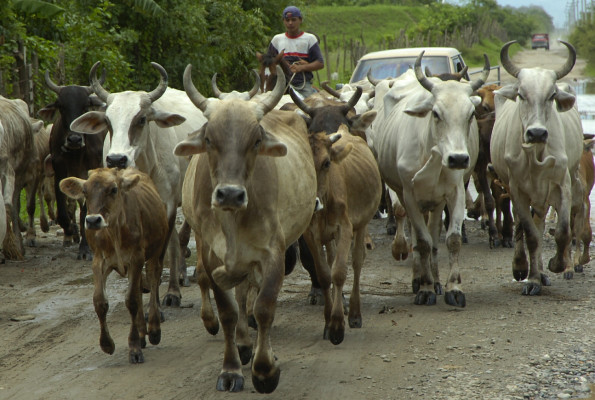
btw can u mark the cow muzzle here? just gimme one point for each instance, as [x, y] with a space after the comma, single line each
[230, 197]
[74, 141]
[458, 161]
[116, 161]
[536, 135]
[95, 222]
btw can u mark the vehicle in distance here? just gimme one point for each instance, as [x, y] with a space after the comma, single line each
[392, 63]
[540, 40]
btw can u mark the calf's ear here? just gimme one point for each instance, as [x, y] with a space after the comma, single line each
[72, 187]
[340, 151]
[130, 181]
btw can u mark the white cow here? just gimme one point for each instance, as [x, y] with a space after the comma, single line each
[536, 146]
[143, 129]
[425, 146]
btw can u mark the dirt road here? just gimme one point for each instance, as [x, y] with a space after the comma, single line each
[501, 346]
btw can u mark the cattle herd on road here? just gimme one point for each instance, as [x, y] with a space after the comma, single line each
[261, 175]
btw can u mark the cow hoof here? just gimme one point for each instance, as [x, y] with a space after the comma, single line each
[336, 336]
[355, 322]
[136, 357]
[267, 385]
[155, 337]
[107, 344]
[455, 298]
[252, 322]
[438, 288]
[507, 243]
[31, 243]
[316, 296]
[415, 285]
[171, 300]
[568, 274]
[519, 275]
[391, 230]
[531, 289]
[325, 334]
[545, 280]
[579, 268]
[245, 354]
[85, 254]
[230, 382]
[425, 297]
[211, 326]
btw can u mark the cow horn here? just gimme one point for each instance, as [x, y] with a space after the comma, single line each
[506, 62]
[216, 92]
[484, 75]
[353, 100]
[272, 99]
[51, 84]
[256, 86]
[463, 72]
[101, 81]
[299, 102]
[566, 68]
[427, 71]
[96, 85]
[372, 80]
[335, 138]
[193, 94]
[421, 78]
[160, 89]
[331, 91]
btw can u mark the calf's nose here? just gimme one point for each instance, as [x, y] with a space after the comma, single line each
[93, 221]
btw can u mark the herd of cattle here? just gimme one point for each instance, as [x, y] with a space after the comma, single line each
[261, 175]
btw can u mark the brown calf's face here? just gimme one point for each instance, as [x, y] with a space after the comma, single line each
[102, 193]
[327, 151]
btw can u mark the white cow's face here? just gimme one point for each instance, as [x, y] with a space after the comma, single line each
[536, 91]
[452, 121]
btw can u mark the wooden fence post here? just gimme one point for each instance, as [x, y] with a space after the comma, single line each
[328, 62]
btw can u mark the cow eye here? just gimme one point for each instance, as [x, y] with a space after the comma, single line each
[552, 97]
[257, 144]
[207, 141]
[435, 114]
[114, 190]
[326, 164]
[521, 97]
[142, 121]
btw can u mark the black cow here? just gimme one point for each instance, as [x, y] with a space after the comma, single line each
[72, 153]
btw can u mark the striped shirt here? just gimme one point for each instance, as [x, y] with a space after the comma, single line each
[304, 46]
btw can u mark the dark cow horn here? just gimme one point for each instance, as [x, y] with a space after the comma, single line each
[566, 68]
[96, 85]
[256, 86]
[216, 92]
[353, 100]
[299, 102]
[160, 89]
[463, 72]
[372, 80]
[506, 62]
[484, 76]
[272, 99]
[427, 71]
[193, 94]
[51, 84]
[422, 79]
[101, 81]
[331, 91]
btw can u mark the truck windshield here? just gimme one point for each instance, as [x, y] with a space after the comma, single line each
[395, 66]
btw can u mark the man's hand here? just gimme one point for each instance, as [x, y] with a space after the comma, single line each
[298, 66]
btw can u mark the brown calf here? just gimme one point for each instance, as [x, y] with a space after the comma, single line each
[349, 188]
[126, 226]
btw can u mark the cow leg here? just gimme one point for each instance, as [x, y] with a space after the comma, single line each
[488, 201]
[423, 282]
[562, 199]
[434, 226]
[312, 238]
[173, 297]
[63, 216]
[85, 252]
[44, 223]
[243, 340]
[358, 256]
[15, 221]
[391, 223]
[209, 319]
[184, 238]
[454, 295]
[134, 305]
[100, 274]
[399, 247]
[265, 371]
[315, 296]
[31, 192]
[585, 236]
[154, 269]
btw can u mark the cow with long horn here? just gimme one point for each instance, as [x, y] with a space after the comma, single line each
[536, 146]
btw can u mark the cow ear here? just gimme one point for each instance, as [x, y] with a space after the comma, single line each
[129, 181]
[340, 151]
[421, 109]
[509, 91]
[48, 167]
[193, 144]
[47, 113]
[37, 125]
[361, 122]
[271, 146]
[564, 100]
[166, 120]
[91, 122]
[72, 187]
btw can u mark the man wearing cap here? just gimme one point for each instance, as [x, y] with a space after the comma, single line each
[302, 51]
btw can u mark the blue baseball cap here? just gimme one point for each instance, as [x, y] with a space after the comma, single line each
[291, 11]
